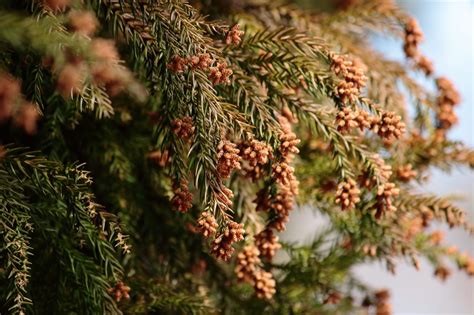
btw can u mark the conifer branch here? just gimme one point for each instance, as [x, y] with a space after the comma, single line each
[65, 199]
[15, 229]
[252, 109]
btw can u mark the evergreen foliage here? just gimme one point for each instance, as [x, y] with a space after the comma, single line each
[151, 150]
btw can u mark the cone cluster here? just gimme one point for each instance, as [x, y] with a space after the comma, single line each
[207, 224]
[234, 35]
[347, 194]
[120, 291]
[448, 98]
[183, 127]
[182, 200]
[405, 173]
[267, 243]
[354, 81]
[228, 158]
[256, 155]
[221, 247]
[12, 105]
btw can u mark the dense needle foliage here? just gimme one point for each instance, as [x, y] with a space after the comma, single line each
[152, 150]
